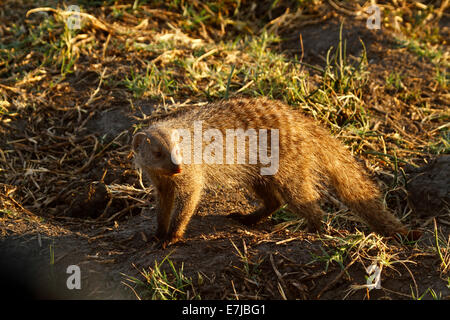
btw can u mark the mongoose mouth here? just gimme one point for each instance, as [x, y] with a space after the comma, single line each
[176, 171]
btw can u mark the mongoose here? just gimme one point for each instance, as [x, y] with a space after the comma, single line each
[309, 161]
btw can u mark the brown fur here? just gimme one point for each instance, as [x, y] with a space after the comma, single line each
[310, 161]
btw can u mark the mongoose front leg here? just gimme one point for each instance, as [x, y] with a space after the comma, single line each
[166, 199]
[184, 205]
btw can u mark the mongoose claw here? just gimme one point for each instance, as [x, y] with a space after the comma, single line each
[163, 244]
[411, 235]
[414, 235]
[160, 244]
[157, 241]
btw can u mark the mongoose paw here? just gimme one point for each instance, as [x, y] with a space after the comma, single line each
[414, 235]
[160, 244]
[411, 235]
[313, 227]
[158, 241]
[168, 241]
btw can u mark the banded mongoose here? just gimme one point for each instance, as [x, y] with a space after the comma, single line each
[300, 159]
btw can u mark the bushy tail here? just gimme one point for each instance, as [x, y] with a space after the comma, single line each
[361, 195]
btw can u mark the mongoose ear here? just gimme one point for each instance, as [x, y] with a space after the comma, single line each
[138, 139]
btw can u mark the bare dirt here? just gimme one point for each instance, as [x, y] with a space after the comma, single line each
[106, 254]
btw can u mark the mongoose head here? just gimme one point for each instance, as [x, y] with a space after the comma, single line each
[157, 151]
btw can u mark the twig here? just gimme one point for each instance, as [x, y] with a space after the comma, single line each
[91, 98]
[339, 276]
[281, 282]
[91, 158]
[117, 214]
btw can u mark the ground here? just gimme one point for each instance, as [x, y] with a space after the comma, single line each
[70, 101]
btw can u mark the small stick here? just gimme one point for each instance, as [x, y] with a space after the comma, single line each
[281, 283]
[339, 276]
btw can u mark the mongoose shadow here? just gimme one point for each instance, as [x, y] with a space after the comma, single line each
[280, 155]
[212, 216]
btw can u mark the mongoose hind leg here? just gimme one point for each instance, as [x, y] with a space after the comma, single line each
[311, 212]
[271, 203]
[304, 201]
